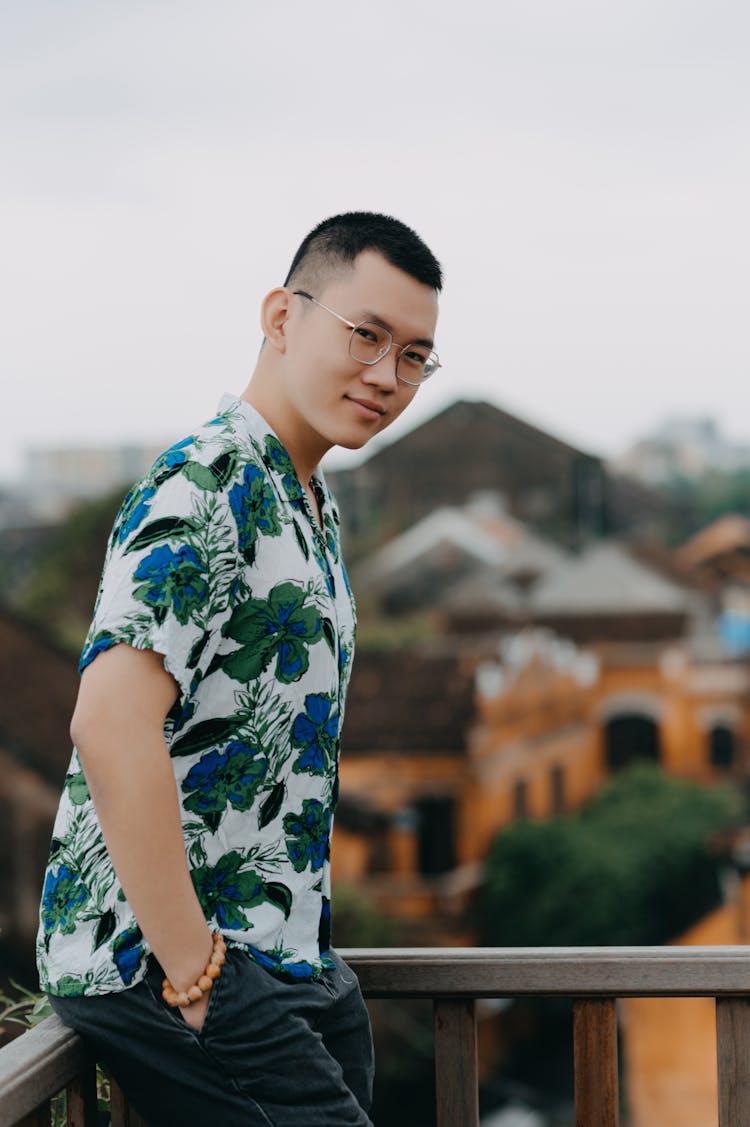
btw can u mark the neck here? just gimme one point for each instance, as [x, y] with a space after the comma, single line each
[304, 447]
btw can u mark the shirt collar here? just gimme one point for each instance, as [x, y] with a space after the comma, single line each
[274, 454]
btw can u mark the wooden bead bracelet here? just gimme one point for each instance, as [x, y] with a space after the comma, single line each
[213, 969]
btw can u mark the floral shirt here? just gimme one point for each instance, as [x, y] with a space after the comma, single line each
[216, 562]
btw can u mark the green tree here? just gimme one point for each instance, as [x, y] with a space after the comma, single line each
[634, 866]
[61, 587]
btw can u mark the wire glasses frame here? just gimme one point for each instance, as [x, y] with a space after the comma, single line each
[368, 343]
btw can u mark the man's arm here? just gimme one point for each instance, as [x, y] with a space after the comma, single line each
[117, 727]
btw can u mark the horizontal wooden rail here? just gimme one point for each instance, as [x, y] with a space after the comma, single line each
[36, 1066]
[50, 1057]
[562, 972]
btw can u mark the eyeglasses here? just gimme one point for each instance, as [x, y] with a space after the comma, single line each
[369, 343]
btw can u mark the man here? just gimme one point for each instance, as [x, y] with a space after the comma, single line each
[185, 919]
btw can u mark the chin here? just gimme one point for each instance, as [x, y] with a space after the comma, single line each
[352, 442]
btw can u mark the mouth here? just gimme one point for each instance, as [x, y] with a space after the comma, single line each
[367, 407]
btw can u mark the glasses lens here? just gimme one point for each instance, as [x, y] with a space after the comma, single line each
[416, 363]
[369, 342]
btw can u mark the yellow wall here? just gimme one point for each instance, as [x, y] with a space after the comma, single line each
[669, 1044]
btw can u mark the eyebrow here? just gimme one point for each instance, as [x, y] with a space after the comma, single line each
[369, 315]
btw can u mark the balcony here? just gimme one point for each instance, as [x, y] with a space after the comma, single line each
[49, 1058]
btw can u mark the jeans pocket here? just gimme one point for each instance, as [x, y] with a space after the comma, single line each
[216, 996]
[153, 981]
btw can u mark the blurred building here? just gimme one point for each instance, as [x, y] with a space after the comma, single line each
[686, 446]
[669, 1044]
[562, 492]
[54, 478]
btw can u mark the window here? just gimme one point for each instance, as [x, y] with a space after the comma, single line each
[436, 848]
[521, 799]
[721, 747]
[557, 786]
[631, 737]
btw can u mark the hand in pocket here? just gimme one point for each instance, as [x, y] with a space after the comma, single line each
[195, 1013]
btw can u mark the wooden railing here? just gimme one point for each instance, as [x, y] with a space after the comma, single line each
[48, 1058]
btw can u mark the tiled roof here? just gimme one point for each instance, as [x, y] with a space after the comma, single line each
[730, 533]
[408, 701]
[605, 579]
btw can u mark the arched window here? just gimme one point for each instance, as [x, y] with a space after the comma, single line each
[630, 737]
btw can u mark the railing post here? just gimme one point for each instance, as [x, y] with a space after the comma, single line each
[121, 1112]
[595, 1057]
[456, 1076]
[80, 1099]
[733, 1052]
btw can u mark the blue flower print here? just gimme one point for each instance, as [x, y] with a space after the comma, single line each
[254, 509]
[282, 464]
[331, 536]
[308, 835]
[276, 963]
[181, 712]
[173, 457]
[346, 581]
[127, 952]
[172, 580]
[135, 509]
[98, 644]
[224, 891]
[64, 893]
[316, 731]
[231, 776]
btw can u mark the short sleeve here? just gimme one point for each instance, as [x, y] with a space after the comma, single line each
[169, 568]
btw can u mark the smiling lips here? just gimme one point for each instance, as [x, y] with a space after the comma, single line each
[367, 407]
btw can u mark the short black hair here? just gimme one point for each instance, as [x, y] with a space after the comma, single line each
[337, 241]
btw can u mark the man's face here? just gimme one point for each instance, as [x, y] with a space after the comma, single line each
[341, 400]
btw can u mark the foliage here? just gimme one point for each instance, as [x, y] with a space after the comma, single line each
[634, 866]
[378, 633]
[695, 502]
[61, 587]
[27, 1008]
[357, 921]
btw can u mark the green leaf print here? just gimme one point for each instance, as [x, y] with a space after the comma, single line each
[164, 529]
[271, 805]
[224, 466]
[225, 892]
[329, 633]
[281, 896]
[301, 541]
[206, 733]
[77, 789]
[105, 929]
[70, 986]
[284, 626]
[202, 476]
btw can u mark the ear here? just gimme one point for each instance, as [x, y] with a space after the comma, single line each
[274, 312]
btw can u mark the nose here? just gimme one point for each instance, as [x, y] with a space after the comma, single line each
[383, 372]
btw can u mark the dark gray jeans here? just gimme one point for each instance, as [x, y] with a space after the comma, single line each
[269, 1054]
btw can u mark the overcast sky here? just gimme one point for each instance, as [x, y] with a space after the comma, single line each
[581, 169]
